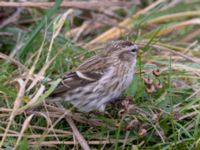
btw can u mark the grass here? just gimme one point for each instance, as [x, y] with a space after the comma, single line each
[31, 65]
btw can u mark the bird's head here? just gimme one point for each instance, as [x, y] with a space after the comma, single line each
[123, 50]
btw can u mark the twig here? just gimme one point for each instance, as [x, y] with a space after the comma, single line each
[189, 115]
[24, 127]
[17, 63]
[41, 128]
[15, 107]
[35, 136]
[50, 143]
[81, 119]
[12, 18]
[90, 27]
[77, 134]
[89, 5]
[191, 35]
[177, 53]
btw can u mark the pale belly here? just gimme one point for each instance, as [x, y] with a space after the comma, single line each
[96, 95]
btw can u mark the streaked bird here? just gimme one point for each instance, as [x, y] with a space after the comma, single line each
[100, 79]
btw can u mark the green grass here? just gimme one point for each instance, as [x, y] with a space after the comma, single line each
[168, 118]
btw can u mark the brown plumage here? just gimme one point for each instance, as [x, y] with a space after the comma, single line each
[100, 79]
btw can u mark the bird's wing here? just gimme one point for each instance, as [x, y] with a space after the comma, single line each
[93, 68]
[88, 72]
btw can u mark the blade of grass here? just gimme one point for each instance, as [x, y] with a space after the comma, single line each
[42, 97]
[170, 99]
[24, 127]
[15, 107]
[38, 29]
[196, 130]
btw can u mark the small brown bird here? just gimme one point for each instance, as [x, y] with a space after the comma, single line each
[100, 79]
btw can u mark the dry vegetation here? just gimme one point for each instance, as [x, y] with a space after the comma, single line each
[41, 40]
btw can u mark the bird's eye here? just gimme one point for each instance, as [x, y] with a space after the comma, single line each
[134, 49]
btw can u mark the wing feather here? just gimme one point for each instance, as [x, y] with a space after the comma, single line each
[89, 71]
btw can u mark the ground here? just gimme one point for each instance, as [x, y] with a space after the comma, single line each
[160, 109]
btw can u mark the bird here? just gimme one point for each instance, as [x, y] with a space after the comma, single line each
[100, 79]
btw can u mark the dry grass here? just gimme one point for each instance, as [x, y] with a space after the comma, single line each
[161, 108]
